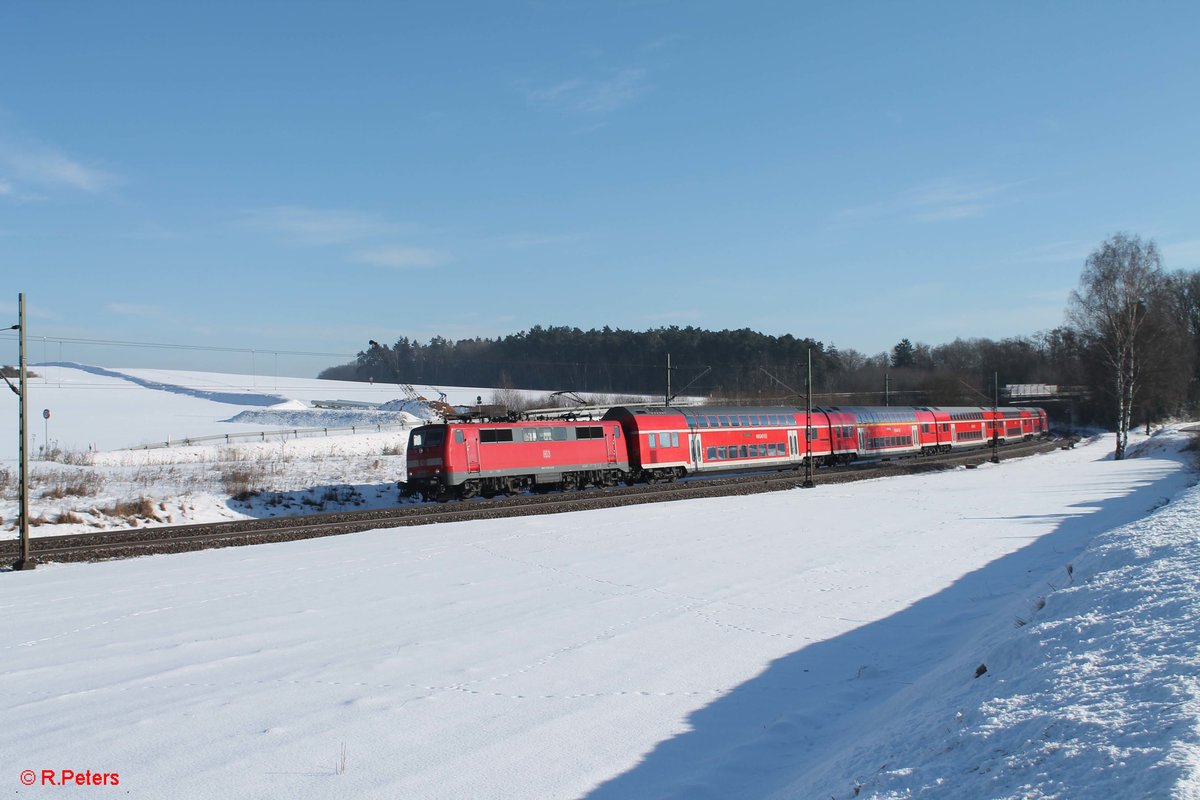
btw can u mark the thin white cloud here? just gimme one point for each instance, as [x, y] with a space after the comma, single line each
[1055, 252]
[614, 93]
[941, 200]
[139, 311]
[593, 96]
[402, 257]
[663, 42]
[952, 198]
[523, 241]
[552, 93]
[48, 168]
[150, 232]
[311, 226]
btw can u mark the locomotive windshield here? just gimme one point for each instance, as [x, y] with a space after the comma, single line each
[432, 436]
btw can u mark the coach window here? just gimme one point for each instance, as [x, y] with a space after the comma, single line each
[674, 440]
[720, 452]
[651, 441]
[743, 454]
[745, 421]
[724, 421]
[701, 422]
[711, 453]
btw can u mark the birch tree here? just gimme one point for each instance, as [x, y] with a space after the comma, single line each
[1119, 287]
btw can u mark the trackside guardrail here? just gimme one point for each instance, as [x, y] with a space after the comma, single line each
[279, 434]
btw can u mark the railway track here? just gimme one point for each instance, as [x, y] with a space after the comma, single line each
[184, 538]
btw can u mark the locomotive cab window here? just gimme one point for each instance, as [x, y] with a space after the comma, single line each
[428, 437]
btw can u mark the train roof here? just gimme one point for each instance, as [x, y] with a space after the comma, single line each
[696, 410]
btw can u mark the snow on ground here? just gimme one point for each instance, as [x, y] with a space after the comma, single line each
[90, 481]
[807, 643]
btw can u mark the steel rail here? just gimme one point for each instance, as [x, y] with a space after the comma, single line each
[132, 542]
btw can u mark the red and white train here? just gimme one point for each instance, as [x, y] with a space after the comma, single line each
[465, 459]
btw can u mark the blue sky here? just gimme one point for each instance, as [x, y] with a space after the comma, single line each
[302, 177]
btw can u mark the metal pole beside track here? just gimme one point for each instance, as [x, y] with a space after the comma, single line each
[808, 470]
[24, 559]
[995, 459]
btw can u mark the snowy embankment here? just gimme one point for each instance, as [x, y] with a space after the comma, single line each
[1094, 693]
[88, 480]
[797, 644]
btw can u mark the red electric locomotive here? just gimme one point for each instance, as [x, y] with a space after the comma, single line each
[465, 459]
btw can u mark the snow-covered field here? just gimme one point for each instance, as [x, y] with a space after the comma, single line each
[89, 479]
[1023, 630]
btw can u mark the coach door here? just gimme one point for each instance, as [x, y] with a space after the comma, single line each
[794, 443]
[697, 450]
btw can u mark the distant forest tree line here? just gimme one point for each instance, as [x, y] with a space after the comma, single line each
[1132, 340]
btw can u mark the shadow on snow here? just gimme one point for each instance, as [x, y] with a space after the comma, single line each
[779, 726]
[232, 398]
[322, 499]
